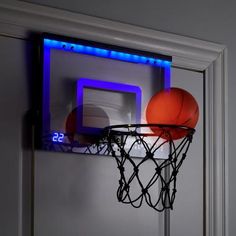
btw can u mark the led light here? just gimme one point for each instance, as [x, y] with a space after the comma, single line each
[151, 61]
[89, 50]
[159, 62]
[135, 58]
[113, 54]
[79, 48]
[53, 42]
[126, 57]
[64, 45]
[143, 59]
[167, 63]
[105, 52]
[72, 46]
[58, 137]
[106, 86]
[47, 42]
[100, 52]
[121, 55]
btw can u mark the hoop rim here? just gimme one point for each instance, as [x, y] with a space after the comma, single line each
[114, 129]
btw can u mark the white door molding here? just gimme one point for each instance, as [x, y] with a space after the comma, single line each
[19, 18]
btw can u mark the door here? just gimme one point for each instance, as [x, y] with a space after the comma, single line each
[75, 194]
[187, 216]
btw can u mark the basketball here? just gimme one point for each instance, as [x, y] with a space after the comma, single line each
[70, 125]
[71, 131]
[172, 106]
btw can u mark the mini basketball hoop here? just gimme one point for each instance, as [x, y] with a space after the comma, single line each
[124, 139]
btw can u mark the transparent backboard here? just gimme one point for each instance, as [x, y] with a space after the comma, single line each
[87, 86]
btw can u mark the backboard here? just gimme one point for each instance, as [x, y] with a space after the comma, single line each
[89, 85]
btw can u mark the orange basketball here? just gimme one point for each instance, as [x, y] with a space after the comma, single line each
[172, 106]
[71, 130]
[70, 125]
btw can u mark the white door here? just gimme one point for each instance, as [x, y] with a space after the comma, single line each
[75, 195]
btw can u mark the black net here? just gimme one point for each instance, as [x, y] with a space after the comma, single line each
[161, 155]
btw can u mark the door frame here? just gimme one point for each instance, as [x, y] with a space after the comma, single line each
[18, 19]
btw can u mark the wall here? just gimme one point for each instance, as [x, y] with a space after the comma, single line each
[208, 20]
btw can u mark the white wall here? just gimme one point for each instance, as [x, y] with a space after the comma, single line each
[208, 20]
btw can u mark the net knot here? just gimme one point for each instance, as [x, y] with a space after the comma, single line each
[149, 154]
[136, 169]
[144, 190]
[165, 189]
[175, 172]
[190, 137]
[133, 132]
[122, 153]
[158, 170]
[127, 155]
[121, 168]
[126, 187]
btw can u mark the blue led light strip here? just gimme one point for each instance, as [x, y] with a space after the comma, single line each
[83, 83]
[105, 53]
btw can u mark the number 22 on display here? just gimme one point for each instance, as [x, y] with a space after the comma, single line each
[57, 137]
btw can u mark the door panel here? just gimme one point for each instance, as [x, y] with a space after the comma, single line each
[76, 194]
[187, 216]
